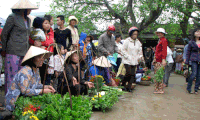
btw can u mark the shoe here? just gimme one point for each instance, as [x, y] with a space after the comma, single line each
[129, 90]
[196, 92]
[190, 92]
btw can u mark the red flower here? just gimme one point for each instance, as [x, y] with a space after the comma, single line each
[31, 106]
[38, 107]
[34, 109]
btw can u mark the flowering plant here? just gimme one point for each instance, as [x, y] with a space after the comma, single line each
[97, 79]
[31, 108]
[104, 100]
[28, 115]
[52, 107]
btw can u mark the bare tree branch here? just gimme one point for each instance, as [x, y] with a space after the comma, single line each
[154, 14]
[130, 9]
[114, 12]
[89, 3]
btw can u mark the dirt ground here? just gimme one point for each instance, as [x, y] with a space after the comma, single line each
[142, 104]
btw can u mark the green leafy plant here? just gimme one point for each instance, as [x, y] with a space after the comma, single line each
[104, 100]
[147, 72]
[54, 107]
[159, 74]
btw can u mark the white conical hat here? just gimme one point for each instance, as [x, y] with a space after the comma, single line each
[35, 51]
[24, 4]
[68, 54]
[102, 62]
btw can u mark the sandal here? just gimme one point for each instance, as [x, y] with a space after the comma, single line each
[190, 92]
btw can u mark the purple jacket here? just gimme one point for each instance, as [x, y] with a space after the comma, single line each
[192, 52]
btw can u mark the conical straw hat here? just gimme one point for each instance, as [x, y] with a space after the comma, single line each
[102, 62]
[24, 4]
[35, 51]
[68, 54]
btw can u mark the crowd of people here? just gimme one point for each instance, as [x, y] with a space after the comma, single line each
[40, 59]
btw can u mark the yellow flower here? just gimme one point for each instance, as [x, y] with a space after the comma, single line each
[24, 113]
[99, 76]
[33, 117]
[97, 96]
[93, 99]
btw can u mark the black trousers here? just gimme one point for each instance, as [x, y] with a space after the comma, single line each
[130, 75]
[148, 64]
[118, 64]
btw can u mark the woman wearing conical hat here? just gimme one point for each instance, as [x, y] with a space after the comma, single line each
[15, 38]
[27, 81]
[100, 67]
[71, 69]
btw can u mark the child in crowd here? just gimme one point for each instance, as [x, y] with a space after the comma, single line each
[179, 59]
[50, 70]
[59, 63]
[37, 34]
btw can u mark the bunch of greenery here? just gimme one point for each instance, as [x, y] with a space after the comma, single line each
[148, 72]
[54, 107]
[97, 87]
[104, 100]
[159, 74]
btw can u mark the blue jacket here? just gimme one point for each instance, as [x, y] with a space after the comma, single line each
[192, 52]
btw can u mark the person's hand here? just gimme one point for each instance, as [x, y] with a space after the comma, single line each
[145, 69]
[47, 91]
[184, 60]
[51, 88]
[37, 43]
[74, 80]
[3, 53]
[90, 84]
[43, 47]
[108, 54]
[164, 63]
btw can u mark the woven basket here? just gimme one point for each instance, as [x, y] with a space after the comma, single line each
[145, 83]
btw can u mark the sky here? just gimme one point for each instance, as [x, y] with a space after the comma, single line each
[5, 6]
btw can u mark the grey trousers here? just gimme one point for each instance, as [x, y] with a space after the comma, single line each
[168, 69]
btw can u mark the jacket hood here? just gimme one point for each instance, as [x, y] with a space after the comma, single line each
[83, 36]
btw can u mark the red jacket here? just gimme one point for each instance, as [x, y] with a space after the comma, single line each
[161, 50]
[47, 42]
